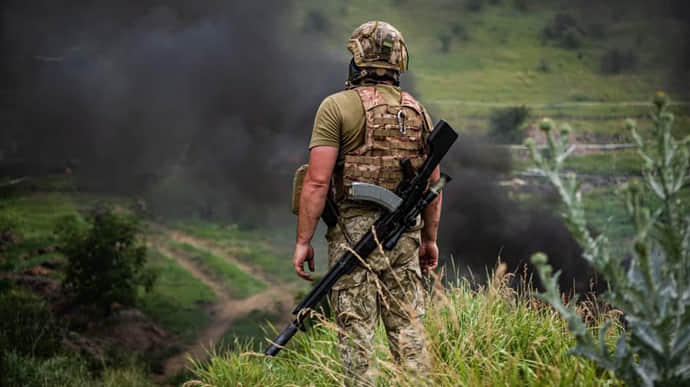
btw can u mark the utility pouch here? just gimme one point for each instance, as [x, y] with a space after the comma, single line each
[297, 182]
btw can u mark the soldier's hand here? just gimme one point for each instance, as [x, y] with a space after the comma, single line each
[428, 256]
[303, 252]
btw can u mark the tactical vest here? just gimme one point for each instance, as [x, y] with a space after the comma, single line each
[392, 133]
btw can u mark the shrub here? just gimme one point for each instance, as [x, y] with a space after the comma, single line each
[653, 292]
[316, 22]
[27, 326]
[505, 125]
[444, 38]
[474, 5]
[564, 30]
[616, 61]
[106, 260]
[521, 5]
[459, 31]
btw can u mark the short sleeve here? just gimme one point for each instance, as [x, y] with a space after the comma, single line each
[327, 125]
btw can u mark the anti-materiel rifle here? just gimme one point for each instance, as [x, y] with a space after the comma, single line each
[404, 206]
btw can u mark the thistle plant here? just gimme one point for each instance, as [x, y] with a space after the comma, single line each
[652, 288]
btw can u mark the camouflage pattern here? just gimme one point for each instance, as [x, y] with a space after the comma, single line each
[388, 285]
[392, 132]
[377, 44]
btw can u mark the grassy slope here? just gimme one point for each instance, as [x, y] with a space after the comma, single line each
[263, 248]
[177, 299]
[487, 337]
[35, 218]
[499, 61]
[238, 283]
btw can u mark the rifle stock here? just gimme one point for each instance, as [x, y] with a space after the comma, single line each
[388, 228]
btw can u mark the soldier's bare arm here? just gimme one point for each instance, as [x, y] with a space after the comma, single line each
[428, 251]
[312, 201]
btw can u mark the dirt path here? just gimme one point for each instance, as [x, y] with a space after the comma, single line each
[201, 244]
[226, 309]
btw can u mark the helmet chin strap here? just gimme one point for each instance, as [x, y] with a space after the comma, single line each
[356, 75]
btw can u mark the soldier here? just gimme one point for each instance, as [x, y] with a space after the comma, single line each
[361, 134]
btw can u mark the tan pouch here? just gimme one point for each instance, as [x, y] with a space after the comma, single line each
[297, 182]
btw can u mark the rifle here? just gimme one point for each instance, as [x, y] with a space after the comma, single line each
[404, 206]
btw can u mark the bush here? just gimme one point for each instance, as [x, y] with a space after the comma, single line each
[27, 326]
[459, 31]
[106, 260]
[444, 38]
[316, 22]
[564, 30]
[653, 288]
[521, 5]
[474, 5]
[505, 125]
[616, 61]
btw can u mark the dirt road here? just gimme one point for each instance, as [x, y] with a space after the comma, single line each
[226, 309]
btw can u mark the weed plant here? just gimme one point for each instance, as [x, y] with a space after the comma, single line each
[652, 289]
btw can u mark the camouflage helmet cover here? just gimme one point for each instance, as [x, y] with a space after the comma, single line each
[378, 44]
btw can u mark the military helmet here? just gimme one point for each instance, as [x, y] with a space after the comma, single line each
[379, 45]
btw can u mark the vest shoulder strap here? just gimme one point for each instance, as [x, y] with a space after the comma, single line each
[370, 97]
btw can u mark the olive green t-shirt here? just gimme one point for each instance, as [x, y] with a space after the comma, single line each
[340, 120]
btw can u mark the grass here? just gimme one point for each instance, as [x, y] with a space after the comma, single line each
[177, 300]
[265, 248]
[249, 331]
[238, 283]
[623, 162]
[67, 370]
[490, 336]
[507, 72]
[35, 217]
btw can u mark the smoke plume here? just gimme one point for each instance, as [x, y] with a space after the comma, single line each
[207, 106]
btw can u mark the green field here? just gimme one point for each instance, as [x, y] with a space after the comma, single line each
[238, 283]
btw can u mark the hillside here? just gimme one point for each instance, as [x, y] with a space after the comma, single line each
[488, 67]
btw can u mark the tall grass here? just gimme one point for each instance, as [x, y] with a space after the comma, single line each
[487, 336]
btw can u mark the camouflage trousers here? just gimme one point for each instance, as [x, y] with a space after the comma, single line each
[388, 285]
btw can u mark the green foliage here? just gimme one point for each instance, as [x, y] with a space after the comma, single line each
[505, 125]
[106, 261]
[27, 326]
[65, 370]
[9, 222]
[654, 291]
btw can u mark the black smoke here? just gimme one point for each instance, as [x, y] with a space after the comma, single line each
[482, 223]
[203, 107]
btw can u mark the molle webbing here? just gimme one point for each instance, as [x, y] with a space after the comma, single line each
[392, 132]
